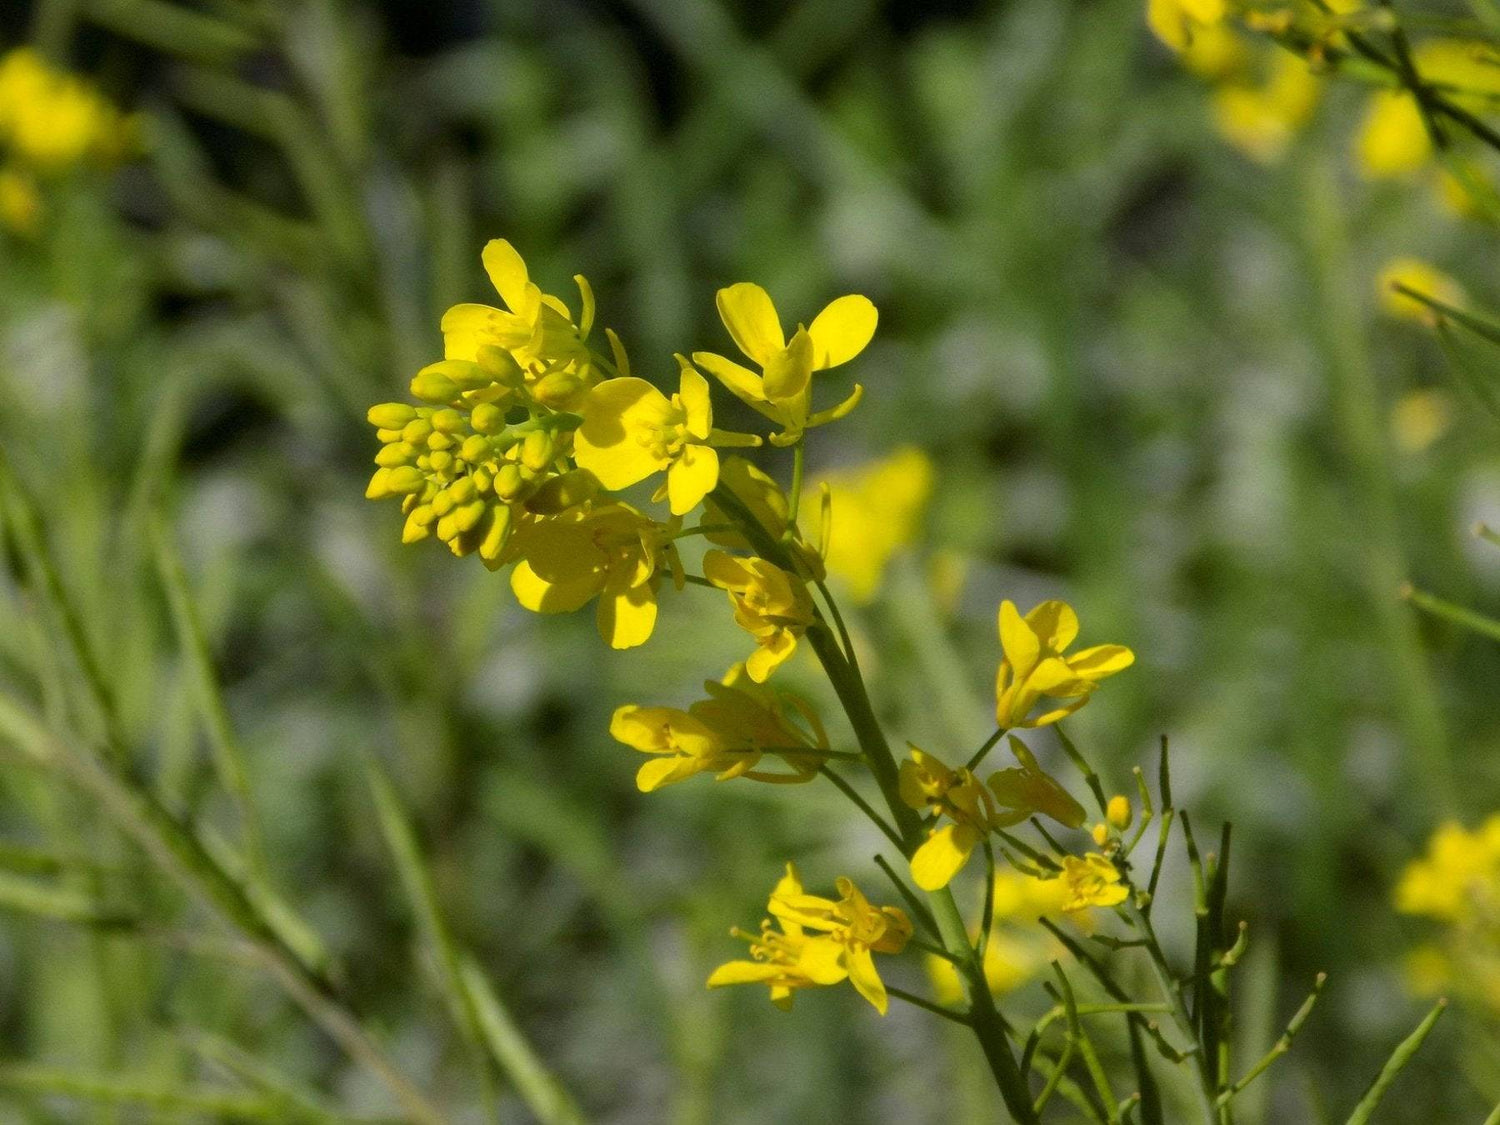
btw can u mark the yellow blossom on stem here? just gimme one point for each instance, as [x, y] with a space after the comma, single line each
[1034, 666]
[631, 430]
[974, 810]
[1092, 881]
[783, 389]
[611, 552]
[1180, 23]
[1393, 139]
[817, 941]
[876, 509]
[726, 734]
[772, 605]
[1421, 277]
[533, 335]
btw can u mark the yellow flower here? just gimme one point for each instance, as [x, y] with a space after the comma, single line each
[783, 390]
[1459, 878]
[1420, 418]
[1414, 274]
[930, 785]
[533, 335]
[1181, 23]
[728, 733]
[20, 202]
[611, 552]
[631, 430]
[52, 120]
[1260, 118]
[876, 510]
[1090, 881]
[975, 810]
[819, 942]
[1034, 666]
[770, 604]
[1393, 140]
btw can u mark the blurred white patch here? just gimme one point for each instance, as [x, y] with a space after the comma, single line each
[45, 360]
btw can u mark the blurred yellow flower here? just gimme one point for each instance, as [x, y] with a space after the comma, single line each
[1459, 878]
[1180, 24]
[51, 120]
[611, 552]
[818, 942]
[783, 389]
[20, 201]
[727, 733]
[1261, 116]
[876, 510]
[1393, 139]
[1420, 418]
[1420, 276]
[1034, 666]
[770, 604]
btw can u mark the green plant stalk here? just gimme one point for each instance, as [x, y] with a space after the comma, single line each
[1172, 996]
[989, 1027]
[1399, 1058]
[1356, 412]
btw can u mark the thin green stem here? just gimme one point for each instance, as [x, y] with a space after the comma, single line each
[927, 1005]
[864, 806]
[979, 755]
[1282, 1045]
[1402, 1055]
[794, 498]
[1438, 607]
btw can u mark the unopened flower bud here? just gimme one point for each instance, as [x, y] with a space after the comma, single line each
[1118, 812]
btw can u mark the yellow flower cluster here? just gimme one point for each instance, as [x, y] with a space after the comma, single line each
[817, 942]
[1457, 884]
[523, 426]
[50, 122]
[519, 443]
[1262, 94]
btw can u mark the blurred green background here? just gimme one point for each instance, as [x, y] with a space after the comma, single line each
[1151, 374]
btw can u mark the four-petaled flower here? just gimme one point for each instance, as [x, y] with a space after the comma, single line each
[770, 604]
[1034, 665]
[817, 942]
[783, 390]
[610, 552]
[631, 430]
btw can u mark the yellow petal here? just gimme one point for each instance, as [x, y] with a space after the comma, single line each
[740, 381]
[693, 392]
[541, 596]
[841, 331]
[744, 972]
[1100, 661]
[1055, 623]
[691, 478]
[660, 772]
[771, 656]
[943, 855]
[626, 619]
[1020, 644]
[748, 313]
[466, 328]
[789, 371]
[1393, 139]
[864, 978]
[822, 961]
[507, 272]
[615, 414]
